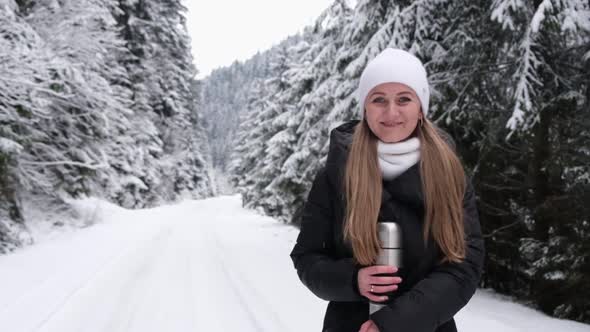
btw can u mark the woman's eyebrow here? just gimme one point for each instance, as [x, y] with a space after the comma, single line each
[383, 93]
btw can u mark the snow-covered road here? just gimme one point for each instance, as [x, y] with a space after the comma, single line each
[206, 265]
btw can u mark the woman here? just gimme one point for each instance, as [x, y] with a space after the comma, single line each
[392, 165]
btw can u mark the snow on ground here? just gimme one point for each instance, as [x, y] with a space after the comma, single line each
[201, 265]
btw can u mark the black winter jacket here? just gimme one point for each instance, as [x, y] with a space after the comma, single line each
[430, 293]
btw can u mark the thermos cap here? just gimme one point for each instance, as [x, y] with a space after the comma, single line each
[389, 234]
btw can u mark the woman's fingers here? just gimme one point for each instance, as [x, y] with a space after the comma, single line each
[384, 280]
[378, 269]
[376, 298]
[369, 326]
[373, 327]
[372, 287]
[383, 289]
[365, 326]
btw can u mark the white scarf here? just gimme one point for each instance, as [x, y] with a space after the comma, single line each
[395, 158]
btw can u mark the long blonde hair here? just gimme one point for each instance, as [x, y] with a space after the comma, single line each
[443, 184]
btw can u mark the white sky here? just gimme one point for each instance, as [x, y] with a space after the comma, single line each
[223, 31]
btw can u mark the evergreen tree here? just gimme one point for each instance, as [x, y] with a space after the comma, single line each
[16, 108]
[162, 75]
[97, 98]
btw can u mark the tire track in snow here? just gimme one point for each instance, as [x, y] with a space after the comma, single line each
[130, 251]
[191, 288]
[141, 291]
[246, 291]
[216, 248]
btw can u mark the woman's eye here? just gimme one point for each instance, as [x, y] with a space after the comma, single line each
[404, 99]
[378, 100]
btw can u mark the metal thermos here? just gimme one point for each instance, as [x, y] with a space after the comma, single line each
[390, 238]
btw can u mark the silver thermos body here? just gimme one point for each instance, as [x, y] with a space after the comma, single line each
[390, 239]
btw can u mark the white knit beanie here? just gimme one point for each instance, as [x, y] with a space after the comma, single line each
[395, 65]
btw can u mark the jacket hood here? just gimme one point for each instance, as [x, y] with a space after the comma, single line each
[340, 140]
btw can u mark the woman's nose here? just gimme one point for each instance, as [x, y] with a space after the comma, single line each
[392, 109]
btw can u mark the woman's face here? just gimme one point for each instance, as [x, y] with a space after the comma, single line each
[392, 111]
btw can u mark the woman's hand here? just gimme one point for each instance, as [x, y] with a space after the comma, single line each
[369, 326]
[369, 284]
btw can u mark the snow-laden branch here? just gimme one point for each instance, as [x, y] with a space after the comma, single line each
[64, 162]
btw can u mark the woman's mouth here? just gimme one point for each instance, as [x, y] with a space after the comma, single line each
[391, 123]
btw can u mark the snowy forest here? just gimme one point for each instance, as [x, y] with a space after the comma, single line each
[510, 82]
[98, 98]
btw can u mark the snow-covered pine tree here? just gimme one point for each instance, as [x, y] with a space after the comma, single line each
[224, 98]
[279, 195]
[19, 52]
[547, 125]
[242, 159]
[312, 100]
[162, 75]
[66, 103]
[84, 109]
[527, 21]
[74, 147]
[263, 170]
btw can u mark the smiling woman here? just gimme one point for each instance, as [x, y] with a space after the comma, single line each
[392, 165]
[392, 111]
